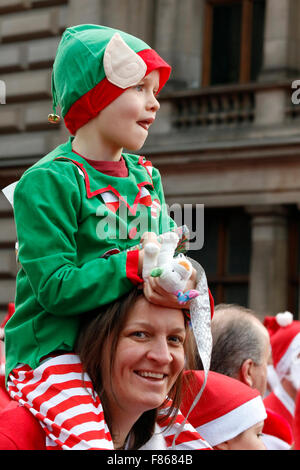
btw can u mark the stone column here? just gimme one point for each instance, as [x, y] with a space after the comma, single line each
[268, 271]
[279, 44]
[187, 49]
[277, 39]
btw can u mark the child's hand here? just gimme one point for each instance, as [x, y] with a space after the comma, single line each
[155, 294]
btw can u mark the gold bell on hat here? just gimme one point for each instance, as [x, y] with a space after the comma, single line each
[53, 118]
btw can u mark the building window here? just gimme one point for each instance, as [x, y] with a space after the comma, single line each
[233, 41]
[226, 253]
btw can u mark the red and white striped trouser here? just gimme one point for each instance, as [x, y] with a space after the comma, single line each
[63, 399]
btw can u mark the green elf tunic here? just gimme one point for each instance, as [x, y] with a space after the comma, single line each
[77, 231]
[69, 216]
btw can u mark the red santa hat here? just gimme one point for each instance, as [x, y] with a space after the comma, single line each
[285, 340]
[227, 406]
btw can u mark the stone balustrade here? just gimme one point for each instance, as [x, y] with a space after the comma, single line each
[227, 106]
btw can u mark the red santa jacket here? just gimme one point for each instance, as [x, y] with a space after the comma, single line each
[14, 419]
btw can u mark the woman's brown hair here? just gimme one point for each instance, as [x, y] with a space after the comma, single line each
[108, 323]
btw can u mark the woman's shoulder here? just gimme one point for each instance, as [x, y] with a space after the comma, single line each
[20, 430]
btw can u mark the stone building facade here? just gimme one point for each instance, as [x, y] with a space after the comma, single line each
[227, 134]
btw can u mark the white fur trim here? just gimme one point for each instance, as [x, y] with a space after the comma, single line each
[272, 375]
[282, 367]
[285, 398]
[284, 318]
[233, 423]
[274, 443]
[122, 66]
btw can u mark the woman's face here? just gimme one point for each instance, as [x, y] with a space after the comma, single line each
[148, 359]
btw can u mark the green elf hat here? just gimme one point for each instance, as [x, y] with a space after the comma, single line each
[93, 66]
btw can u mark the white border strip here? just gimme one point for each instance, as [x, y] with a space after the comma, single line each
[233, 423]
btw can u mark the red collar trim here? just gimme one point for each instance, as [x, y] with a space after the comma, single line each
[147, 165]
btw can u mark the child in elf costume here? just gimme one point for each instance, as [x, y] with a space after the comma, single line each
[76, 209]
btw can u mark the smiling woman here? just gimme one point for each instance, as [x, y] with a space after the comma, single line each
[134, 353]
[119, 389]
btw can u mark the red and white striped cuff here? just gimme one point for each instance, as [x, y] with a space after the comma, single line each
[132, 267]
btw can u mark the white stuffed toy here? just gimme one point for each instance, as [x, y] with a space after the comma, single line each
[173, 273]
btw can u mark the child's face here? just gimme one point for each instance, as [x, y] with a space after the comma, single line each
[124, 123]
[247, 440]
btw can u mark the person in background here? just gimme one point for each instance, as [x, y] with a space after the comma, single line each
[241, 346]
[285, 343]
[242, 350]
